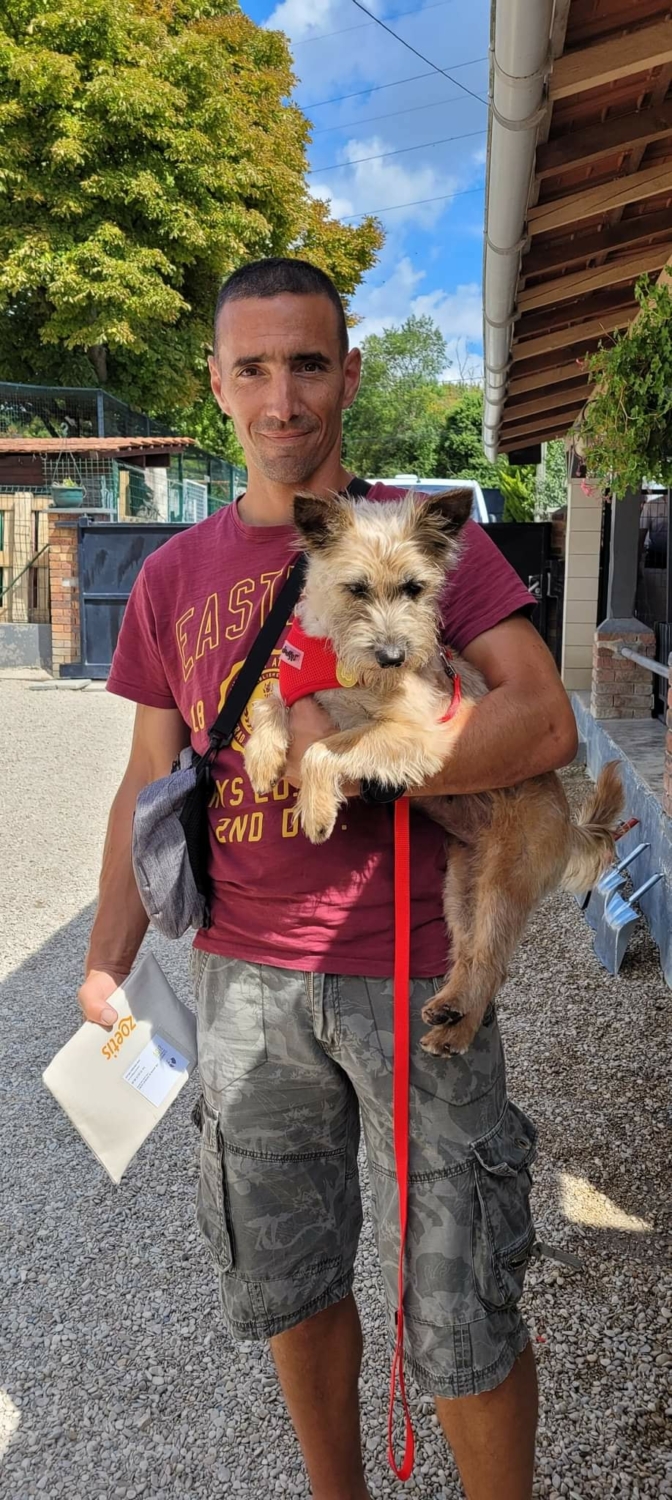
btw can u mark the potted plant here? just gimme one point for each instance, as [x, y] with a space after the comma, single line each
[64, 492]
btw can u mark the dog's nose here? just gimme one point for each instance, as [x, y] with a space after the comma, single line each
[390, 656]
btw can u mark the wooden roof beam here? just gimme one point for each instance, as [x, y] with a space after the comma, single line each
[618, 57]
[577, 333]
[580, 147]
[581, 283]
[550, 255]
[533, 379]
[541, 422]
[575, 207]
[550, 401]
[507, 442]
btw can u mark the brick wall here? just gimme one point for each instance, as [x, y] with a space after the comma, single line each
[620, 688]
[667, 774]
[64, 589]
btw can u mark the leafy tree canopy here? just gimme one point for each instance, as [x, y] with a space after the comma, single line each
[394, 424]
[460, 445]
[145, 151]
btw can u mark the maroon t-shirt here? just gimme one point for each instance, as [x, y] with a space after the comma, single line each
[193, 614]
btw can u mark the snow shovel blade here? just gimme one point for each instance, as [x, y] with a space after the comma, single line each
[617, 926]
[612, 880]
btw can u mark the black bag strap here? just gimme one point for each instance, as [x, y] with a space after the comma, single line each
[224, 727]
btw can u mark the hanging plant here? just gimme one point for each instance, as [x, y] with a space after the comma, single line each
[626, 430]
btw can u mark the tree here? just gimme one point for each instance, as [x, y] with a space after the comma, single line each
[145, 151]
[552, 478]
[460, 447]
[394, 424]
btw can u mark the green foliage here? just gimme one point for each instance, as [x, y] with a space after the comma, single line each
[145, 151]
[517, 487]
[460, 447]
[626, 432]
[394, 424]
[210, 428]
[551, 489]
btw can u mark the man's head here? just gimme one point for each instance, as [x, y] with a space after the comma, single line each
[281, 368]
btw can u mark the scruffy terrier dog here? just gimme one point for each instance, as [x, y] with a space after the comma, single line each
[374, 579]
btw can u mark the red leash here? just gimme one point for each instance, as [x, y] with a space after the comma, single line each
[400, 1112]
[401, 1081]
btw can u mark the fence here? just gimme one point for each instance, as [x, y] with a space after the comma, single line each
[24, 575]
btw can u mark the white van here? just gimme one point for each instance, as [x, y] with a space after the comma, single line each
[479, 509]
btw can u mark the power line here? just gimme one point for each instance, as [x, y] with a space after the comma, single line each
[417, 203]
[394, 114]
[396, 83]
[321, 35]
[382, 155]
[415, 52]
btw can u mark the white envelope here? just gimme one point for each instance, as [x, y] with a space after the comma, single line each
[116, 1085]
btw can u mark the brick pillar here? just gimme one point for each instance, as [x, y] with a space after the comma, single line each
[64, 590]
[620, 688]
[667, 774]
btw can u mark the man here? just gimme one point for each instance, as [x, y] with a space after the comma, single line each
[293, 993]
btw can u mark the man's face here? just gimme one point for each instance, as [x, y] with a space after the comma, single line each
[280, 374]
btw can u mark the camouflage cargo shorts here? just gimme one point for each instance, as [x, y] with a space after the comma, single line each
[290, 1063]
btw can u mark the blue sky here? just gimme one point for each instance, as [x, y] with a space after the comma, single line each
[431, 261]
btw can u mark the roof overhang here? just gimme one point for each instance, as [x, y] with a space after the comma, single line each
[578, 198]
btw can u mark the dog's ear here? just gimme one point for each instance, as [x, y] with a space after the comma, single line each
[440, 518]
[318, 521]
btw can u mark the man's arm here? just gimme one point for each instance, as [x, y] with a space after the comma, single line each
[121, 922]
[524, 726]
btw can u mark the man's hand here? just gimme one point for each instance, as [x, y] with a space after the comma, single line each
[94, 996]
[308, 723]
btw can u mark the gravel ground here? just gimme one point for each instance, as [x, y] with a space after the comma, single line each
[117, 1379]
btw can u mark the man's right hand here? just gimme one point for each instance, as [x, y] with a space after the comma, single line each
[94, 996]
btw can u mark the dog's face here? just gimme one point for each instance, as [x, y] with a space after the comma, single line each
[375, 574]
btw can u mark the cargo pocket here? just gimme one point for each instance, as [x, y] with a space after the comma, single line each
[211, 1206]
[502, 1231]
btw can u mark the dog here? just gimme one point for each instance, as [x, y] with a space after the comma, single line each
[375, 574]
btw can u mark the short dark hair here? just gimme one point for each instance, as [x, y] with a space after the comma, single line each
[274, 276]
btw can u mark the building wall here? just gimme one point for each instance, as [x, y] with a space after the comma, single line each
[582, 568]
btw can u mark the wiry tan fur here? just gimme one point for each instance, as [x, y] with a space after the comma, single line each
[374, 579]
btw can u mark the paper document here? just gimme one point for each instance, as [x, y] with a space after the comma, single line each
[116, 1085]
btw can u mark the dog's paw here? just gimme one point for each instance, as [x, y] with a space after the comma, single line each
[264, 763]
[317, 812]
[451, 1039]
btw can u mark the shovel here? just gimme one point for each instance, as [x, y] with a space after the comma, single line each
[617, 926]
[612, 881]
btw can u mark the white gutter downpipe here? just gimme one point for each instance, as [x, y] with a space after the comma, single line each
[519, 63]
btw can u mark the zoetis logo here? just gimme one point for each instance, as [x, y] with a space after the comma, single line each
[124, 1029]
[264, 688]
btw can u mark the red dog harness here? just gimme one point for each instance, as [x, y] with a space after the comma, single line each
[308, 664]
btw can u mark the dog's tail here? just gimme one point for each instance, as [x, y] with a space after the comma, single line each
[592, 836]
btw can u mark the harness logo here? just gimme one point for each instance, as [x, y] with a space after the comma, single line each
[124, 1029]
[292, 655]
[263, 690]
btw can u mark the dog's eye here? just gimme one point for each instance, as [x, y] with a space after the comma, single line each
[359, 590]
[411, 588]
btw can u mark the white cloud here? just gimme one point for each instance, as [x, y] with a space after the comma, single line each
[458, 314]
[298, 18]
[370, 185]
